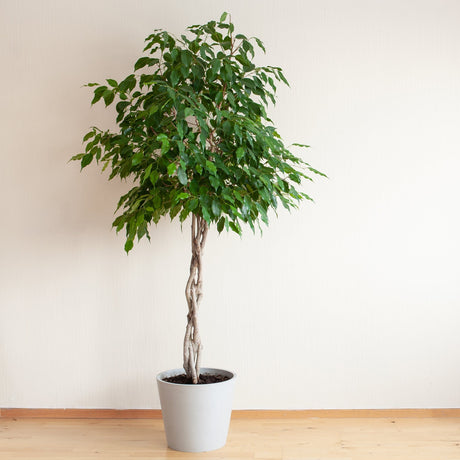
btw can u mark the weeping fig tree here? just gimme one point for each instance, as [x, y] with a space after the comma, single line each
[194, 138]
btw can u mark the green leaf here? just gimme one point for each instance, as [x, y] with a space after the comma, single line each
[128, 83]
[142, 62]
[215, 182]
[154, 177]
[228, 72]
[182, 176]
[192, 204]
[223, 17]
[112, 82]
[283, 78]
[239, 153]
[147, 172]
[129, 245]
[211, 167]
[108, 97]
[231, 99]
[164, 143]
[172, 168]
[121, 106]
[313, 170]
[215, 66]
[219, 97]
[235, 228]
[183, 215]
[186, 58]
[174, 54]
[220, 224]
[98, 92]
[174, 77]
[86, 160]
[206, 215]
[89, 136]
[237, 195]
[243, 60]
[227, 126]
[260, 44]
[180, 130]
[216, 210]
[137, 158]
[140, 219]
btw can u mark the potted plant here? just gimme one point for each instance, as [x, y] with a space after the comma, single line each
[196, 142]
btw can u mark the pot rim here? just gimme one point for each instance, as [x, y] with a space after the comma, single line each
[205, 370]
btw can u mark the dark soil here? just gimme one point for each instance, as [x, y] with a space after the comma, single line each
[204, 379]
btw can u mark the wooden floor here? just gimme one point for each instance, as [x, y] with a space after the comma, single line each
[249, 438]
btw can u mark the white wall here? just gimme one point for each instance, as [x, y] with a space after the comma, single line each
[352, 302]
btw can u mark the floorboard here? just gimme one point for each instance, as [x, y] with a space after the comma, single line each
[258, 438]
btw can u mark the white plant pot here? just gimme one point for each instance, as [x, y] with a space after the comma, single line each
[196, 417]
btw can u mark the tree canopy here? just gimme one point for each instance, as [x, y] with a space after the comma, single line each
[194, 135]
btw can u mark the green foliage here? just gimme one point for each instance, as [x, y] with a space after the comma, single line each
[194, 134]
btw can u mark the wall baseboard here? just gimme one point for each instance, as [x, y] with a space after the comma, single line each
[236, 414]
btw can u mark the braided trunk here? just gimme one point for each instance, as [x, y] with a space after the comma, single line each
[193, 294]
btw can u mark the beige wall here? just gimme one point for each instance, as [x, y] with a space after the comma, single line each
[349, 303]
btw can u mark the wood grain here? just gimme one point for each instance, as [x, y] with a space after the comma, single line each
[288, 438]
